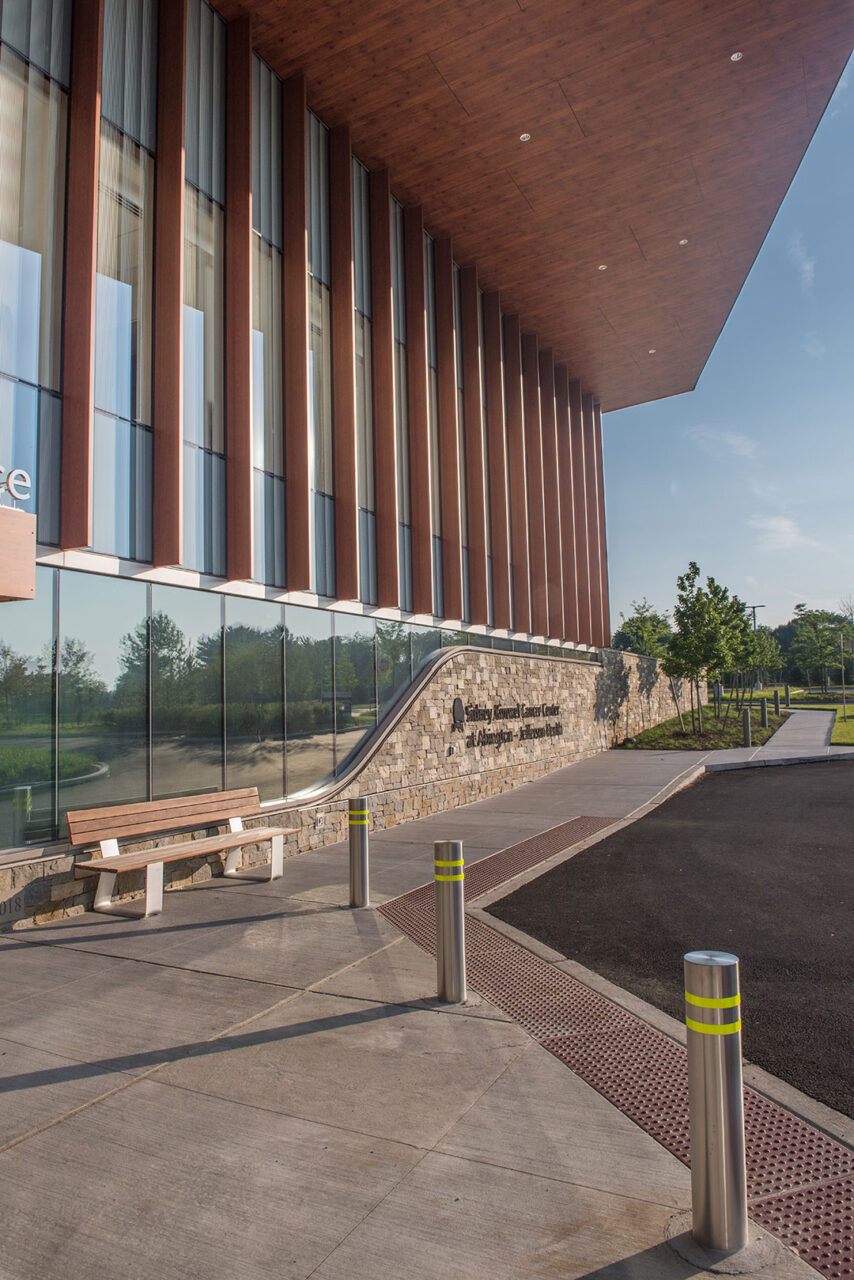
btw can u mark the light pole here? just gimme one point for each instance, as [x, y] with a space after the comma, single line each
[753, 608]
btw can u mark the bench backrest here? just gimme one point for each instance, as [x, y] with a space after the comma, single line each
[88, 826]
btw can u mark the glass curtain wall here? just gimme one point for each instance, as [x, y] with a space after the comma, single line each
[401, 414]
[433, 425]
[320, 359]
[364, 384]
[309, 669]
[461, 436]
[355, 683]
[254, 696]
[268, 449]
[35, 46]
[204, 293]
[186, 691]
[484, 453]
[124, 282]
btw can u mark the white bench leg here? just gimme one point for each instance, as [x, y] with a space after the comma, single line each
[153, 889]
[277, 855]
[104, 892]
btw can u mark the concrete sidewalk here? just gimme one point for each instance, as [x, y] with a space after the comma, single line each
[259, 1083]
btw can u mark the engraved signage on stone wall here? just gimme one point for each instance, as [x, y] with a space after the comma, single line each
[507, 722]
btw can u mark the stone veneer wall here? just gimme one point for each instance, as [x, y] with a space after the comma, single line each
[555, 711]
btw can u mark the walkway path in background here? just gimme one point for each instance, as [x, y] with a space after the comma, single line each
[257, 1079]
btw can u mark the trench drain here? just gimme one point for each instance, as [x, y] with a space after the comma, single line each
[800, 1181]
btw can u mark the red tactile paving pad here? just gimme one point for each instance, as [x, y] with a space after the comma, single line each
[800, 1182]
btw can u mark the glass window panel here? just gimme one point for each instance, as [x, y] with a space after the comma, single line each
[438, 593]
[32, 218]
[324, 545]
[124, 284]
[398, 271]
[19, 437]
[204, 123]
[186, 691]
[267, 349]
[269, 528]
[364, 414]
[452, 638]
[27, 763]
[266, 152]
[40, 30]
[204, 511]
[310, 707]
[361, 239]
[317, 194]
[122, 479]
[129, 76]
[430, 300]
[50, 416]
[401, 422]
[204, 389]
[425, 641]
[404, 565]
[355, 683]
[254, 696]
[102, 689]
[20, 290]
[320, 387]
[367, 557]
[394, 670]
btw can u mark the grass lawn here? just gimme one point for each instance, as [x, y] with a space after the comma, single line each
[716, 733]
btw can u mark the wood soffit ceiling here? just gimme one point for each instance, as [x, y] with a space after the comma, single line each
[643, 133]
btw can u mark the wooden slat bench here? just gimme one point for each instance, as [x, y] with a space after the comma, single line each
[106, 827]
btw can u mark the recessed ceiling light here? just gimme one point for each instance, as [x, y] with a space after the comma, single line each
[652, 351]
[524, 137]
[683, 241]
[736, 57]
[603, 267]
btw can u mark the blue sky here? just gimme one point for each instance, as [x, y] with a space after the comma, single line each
[752, 474]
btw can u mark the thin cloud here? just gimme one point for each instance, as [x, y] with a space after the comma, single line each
[813, 345]
[723, 444]
[779, 533]
[796, 252]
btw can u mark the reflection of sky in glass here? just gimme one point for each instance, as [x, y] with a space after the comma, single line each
[113, 303]
[26, 625]
[99, 611]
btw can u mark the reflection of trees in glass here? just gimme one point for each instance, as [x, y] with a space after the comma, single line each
[82, 692]
[253, 675]
[308, 667]
[393, 664]
[24, 687]
[354, 679]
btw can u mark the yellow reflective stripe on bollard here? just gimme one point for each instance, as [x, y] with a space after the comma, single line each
[459, 877]
[458, 863]
[359, 813]
[713, 1002]
[360, 822]
[712, 1028]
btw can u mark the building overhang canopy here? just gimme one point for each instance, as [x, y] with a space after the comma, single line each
[627, 221]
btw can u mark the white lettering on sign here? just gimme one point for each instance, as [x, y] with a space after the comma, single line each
[17, 482]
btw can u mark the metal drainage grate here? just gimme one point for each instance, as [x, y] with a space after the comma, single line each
[800, 1182]
[503, 866]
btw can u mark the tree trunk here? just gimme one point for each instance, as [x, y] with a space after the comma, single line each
[678, 708]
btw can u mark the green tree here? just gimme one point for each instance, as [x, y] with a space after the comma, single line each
[815, 645]
[645, 631]
[710, 626]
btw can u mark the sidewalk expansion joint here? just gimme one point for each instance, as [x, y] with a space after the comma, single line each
[800, 1180]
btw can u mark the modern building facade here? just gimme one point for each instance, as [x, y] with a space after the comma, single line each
[305, 335]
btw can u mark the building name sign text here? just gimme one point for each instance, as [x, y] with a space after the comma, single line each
[506, 722]
[16, 482]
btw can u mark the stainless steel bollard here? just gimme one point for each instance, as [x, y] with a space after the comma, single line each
[776, 702]
[718, 1174]
[359, 877]
[764, 713]
[746, 722]
[450, 921]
